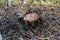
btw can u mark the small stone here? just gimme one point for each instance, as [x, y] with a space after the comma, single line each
[20, 15]
[0, 17]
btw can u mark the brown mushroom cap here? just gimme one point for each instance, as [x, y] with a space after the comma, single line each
[32, 17]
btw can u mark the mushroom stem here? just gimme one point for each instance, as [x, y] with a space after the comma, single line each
[26, 22]
[33, 23]
[26, 25]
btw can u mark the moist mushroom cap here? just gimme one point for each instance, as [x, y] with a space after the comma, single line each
[32, 17]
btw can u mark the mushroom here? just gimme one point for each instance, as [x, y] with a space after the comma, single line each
[28, 18]
[31, 18]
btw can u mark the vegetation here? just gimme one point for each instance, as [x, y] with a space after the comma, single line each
[30, 1]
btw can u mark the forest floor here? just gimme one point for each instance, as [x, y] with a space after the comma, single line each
[46, 28]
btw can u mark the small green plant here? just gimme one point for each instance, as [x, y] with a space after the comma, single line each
[58, 1]
[2, 2]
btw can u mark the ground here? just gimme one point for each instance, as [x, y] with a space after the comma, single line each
[46, 28]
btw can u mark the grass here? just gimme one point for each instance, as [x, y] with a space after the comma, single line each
[49, 2]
